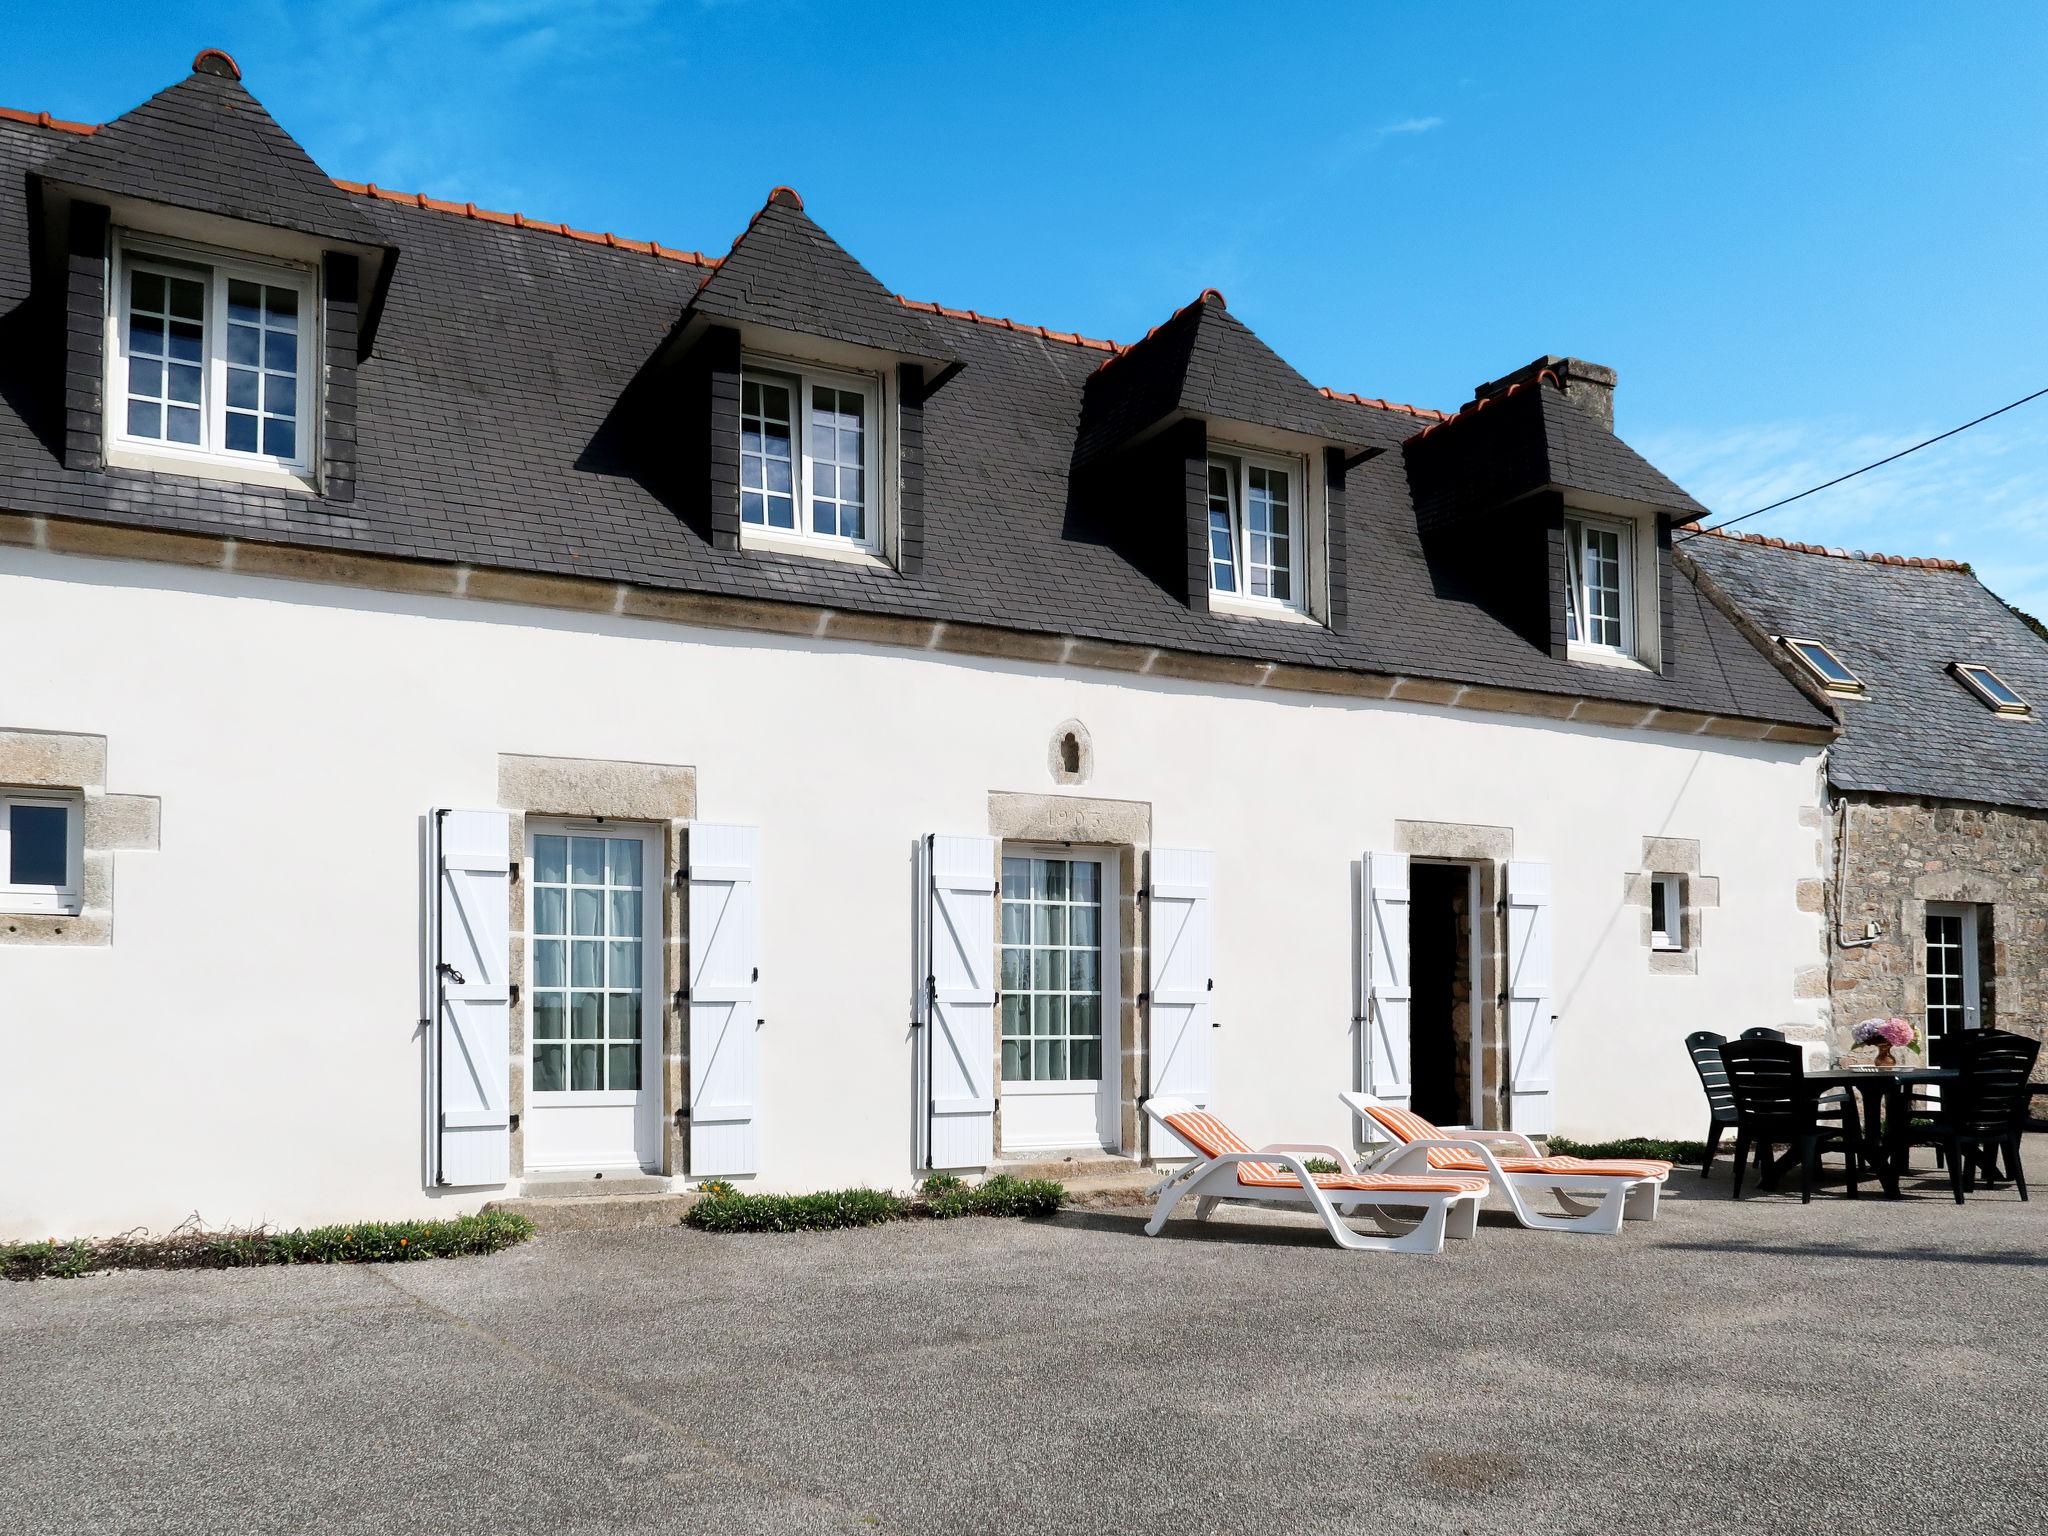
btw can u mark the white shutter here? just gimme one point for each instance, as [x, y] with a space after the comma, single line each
[1383, 976]
[1182, 985]
[1532, 1105]
[724, 998]
[469, 960]
[959, 940]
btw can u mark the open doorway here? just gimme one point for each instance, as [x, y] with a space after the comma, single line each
[1441, 901]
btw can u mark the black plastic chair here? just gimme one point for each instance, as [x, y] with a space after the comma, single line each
[1762, 1032]
[1704, 1046]
[1985, 1110]
[1774, 1103]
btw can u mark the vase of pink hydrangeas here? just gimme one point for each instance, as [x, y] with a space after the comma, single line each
[1885, 1034]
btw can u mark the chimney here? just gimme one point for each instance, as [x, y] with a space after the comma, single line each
[1589, 386]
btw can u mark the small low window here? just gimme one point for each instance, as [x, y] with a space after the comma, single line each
[211, 358]
[1667, 912]
[1991, 688]
[808, 458]
[1599, 593]
[1824, 664]
[1255, 529]
[40, 852]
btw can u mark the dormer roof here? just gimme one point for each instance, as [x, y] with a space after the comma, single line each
[206, 145]
[784, 273]
[1528, 438]
[1204, 362]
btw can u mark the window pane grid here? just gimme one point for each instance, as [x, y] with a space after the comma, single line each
[767, 456]
[1052, 970]
[1268, 534]
[835, 448]
[588, 969]
[211, 361]
[1222, 528]
[1596, 578]
[1944, 973]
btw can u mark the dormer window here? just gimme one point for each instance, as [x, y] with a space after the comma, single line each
[1255, 530]
[809, 452]
[1599, 593]
[209, 359]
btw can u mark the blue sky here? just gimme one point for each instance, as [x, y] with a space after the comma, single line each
[1805, 235]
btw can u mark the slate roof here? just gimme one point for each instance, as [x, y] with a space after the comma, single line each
[1528, 438]
[208, 145]
[1205, 362]
[787, 273]
[1898, 626]
[486, 439]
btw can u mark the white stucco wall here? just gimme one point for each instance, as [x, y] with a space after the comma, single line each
[247, 1048]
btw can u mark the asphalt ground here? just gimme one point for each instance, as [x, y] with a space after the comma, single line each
[1762, 1366]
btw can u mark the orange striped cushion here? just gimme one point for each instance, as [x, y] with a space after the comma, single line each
[1205, 1133]
[1402, 1125]
[1273, 1176]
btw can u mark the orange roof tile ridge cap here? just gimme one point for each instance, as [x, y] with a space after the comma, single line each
[468, 210]
[44, 120]
[1828, 552]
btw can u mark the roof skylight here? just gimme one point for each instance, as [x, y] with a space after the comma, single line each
[1825, 665]
[1990, 687]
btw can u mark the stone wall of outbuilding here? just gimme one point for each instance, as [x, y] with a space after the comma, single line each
[1892, 856]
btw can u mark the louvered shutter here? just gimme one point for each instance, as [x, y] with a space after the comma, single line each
[1383, 976]
[469, 961]
[724, 999]
[1182, 985]
[1531, 1025]
[959, 941]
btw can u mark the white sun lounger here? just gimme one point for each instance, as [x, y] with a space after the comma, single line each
[1277, 1175]
[1597, 1194]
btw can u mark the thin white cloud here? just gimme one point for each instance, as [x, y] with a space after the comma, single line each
[1981, 497]
[1409, 125]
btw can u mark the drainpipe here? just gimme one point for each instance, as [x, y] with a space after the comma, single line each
[1870, 929]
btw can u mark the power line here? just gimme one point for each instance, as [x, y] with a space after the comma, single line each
[1876, 464]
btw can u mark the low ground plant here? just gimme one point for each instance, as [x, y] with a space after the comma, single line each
[366, 1242]
[1630, 1146]
[940, 1197]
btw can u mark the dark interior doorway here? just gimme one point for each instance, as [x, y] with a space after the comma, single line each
[1440, 992]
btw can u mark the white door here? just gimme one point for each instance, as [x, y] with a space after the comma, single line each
[956, 946]
[593, 1009]
[1954, 1001]
[725, 989]
[1183, 986]
[1532, 1027]
[1383, 977]
[1059, 999]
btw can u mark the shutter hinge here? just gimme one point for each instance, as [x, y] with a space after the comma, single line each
[931, 990]
[682, 876]
[515, 994]
[1144, 1001]
[452, 974]
[514, 870]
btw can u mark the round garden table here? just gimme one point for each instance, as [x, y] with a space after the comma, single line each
[1884, 1117]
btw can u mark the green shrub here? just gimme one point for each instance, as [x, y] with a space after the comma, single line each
[1630, 1146]
[369, 1242]
[717, 1189]
[941, 1196]
[999, 1196]
[1321, 1165]
[821, 1212]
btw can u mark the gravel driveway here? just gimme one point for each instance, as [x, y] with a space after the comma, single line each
[1762, 1366]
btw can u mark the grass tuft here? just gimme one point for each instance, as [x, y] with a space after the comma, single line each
[1630, 1146]
[941, 1197]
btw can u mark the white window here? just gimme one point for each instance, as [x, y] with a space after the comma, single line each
[1599, 591]
[41, 851]
[810, 457]
[590, 963]
[1824, 664]
[1256, 526]
[1052, 971]
[1953, 999]
[1991, 688]
[211, 358]
[1667, 912]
